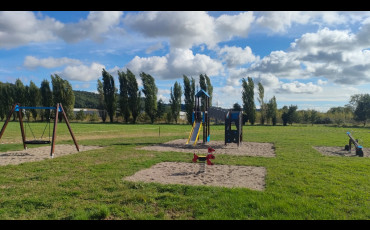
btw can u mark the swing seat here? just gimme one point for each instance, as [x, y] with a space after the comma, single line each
[37, 142]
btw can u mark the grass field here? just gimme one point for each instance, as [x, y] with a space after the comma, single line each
[301, 183]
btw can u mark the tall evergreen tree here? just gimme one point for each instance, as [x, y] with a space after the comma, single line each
[150, 91]
[123, 100]
[175, 101]
[134, 95]
[249, 106]
[110, 99]
[189, 93]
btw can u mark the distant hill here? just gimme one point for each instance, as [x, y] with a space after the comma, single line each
[84, 99]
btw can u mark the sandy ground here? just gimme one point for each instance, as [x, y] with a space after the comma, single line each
[215, 175]
[340, 151]
[245, 149]
[40, 153]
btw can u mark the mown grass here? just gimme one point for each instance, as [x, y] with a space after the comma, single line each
[300, 183]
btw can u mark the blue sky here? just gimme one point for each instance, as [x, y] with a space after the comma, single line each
[313, 59]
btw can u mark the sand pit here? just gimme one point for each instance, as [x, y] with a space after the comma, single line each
[340, 151]
[40, 153]
[245, 149]
[230, 176]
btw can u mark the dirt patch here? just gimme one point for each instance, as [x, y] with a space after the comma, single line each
[245, 148]
[340, 151]
[40, 153]
[214, 175]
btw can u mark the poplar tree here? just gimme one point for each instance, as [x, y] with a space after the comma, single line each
[46, 98]
[123, 99]
[134, 95]
[34, 98]
[63, 93]
[150, 91]
[249, 106]
[189, 93]
[110, 99]
[175, 101]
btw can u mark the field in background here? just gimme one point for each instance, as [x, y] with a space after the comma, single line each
[301, 183]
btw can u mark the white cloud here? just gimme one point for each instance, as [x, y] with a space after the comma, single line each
[96, 24]
[21, 28]
[280, 21]
[299, 88]
[185, 29]
[235, 56]
[83, 72]
[175, 64]
[50, 62]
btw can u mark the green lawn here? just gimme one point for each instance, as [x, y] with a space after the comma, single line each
[301, 183]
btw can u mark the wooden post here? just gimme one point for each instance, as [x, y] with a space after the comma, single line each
[22, 129]
[54, 131]
[69, 128]
[7, 120]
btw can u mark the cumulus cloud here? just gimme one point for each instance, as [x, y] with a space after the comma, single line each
[299, 88]
[175, 64]
[235, 56]
[21, 28]
[50, 62]
[83, 72]
[96, 24]
[185, 29]
[280, 21]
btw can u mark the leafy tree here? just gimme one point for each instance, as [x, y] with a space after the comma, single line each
[249, 106]
[123, 100]
[20, 96]
[34, 97]
[362, 109]
[175, 101]
[8, 93]
[209, 89]
[150, 91]
[189, 94]
[46, 98]
[289, 114]
[101, 107]
[63, 93]
[237, 107]
[271, 112]
[134, 95]
[261, 93]
[110, 98]
[160, 109]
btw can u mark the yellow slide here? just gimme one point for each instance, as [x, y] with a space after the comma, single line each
[194, 134]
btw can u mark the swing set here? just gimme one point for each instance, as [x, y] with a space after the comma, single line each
[59, 108]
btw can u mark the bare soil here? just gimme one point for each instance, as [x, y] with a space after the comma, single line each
[40, 153]
[229, 176]
[340, 151]
[254, 149]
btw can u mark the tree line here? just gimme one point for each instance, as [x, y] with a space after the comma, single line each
[129, 101]
[31, 95]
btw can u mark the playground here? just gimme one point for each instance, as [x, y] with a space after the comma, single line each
[115, 180]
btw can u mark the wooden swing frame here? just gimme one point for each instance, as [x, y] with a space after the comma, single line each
[59, 108]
